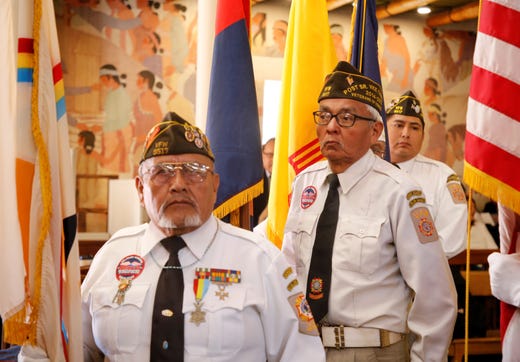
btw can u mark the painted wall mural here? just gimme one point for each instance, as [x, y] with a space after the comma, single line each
[128, 62]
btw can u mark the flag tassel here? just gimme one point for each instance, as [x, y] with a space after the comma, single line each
[239, 199]
[492, 187]
[21, 327]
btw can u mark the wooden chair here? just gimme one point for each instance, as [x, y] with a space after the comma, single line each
[479, 286]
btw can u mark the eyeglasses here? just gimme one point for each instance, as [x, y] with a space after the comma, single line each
[344, 119]
[163, 173]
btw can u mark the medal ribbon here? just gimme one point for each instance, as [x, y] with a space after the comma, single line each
[219, 275]
[200, 288]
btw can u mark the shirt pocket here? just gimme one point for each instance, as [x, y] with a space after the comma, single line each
[357, 246]
[302, 227]
[222, 333]
[116, 327]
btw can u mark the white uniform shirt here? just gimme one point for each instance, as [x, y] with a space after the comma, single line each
[379, 261]
[446, 198]
[259, 320]
[504, 275]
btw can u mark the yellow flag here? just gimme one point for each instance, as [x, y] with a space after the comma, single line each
[309, 57]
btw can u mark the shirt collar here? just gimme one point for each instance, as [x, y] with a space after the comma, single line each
[197, 241]
[407, 165]
[352, 175]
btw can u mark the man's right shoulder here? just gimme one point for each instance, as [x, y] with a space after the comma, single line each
[128, 232]
[312, 169]
[391, 171]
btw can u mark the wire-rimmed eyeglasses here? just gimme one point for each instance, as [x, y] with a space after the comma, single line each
[163, 173]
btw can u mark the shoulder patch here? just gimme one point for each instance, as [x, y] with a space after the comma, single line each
[456, 192]
[424, 226]
[302, 309]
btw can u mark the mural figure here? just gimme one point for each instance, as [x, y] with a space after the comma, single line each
[117, 129]
[395, 64]
[437, 142]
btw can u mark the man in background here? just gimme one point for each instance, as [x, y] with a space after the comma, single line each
[441, 185]
[260, 202]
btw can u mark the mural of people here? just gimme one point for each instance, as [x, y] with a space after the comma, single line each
[437, 142]
[125, 39]
[456, 137]
[336, 32]
[145, 36]
[279, 37]
[258, 30]
[147, 111]
[456, 65]
[176, 40]
[431, 92]
[395, 63]
[117, 130]
[427, 62]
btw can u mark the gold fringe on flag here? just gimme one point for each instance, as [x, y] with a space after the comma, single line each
[492, 188]
[239, 200]
[21, 328]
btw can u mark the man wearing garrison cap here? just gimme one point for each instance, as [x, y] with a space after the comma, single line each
[439, 182]
[362, 238]
[186, 285]
[441, 185]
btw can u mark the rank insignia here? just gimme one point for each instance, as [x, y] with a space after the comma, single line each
[424, 226]
[316, 291]
[292, 284]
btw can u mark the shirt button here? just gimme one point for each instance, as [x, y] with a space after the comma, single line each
[165, 345]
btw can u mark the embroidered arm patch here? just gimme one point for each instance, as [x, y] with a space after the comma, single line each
[424, 226]
[301, 308]
[456, 192]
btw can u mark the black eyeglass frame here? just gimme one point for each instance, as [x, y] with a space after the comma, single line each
[341, 118]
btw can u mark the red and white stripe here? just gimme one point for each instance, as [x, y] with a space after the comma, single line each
[492, 144]
[493, 118]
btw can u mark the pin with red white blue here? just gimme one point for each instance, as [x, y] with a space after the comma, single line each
[128, 269]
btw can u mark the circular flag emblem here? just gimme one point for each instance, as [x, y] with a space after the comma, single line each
[130, 267]
[308, 197]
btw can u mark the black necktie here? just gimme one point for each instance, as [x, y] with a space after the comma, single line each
[167, 341]
[318, 282]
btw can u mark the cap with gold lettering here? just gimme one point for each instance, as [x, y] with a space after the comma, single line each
[345, 81]
[175, 136]
[407, 105]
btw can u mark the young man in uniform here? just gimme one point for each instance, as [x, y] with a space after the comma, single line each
[438, 181]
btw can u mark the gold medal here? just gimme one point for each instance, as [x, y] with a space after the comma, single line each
[124, 285]
[222, 294]
[129, 268]
[198, 316]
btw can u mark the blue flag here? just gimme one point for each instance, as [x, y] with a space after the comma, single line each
[363, 51]
[232, 124]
